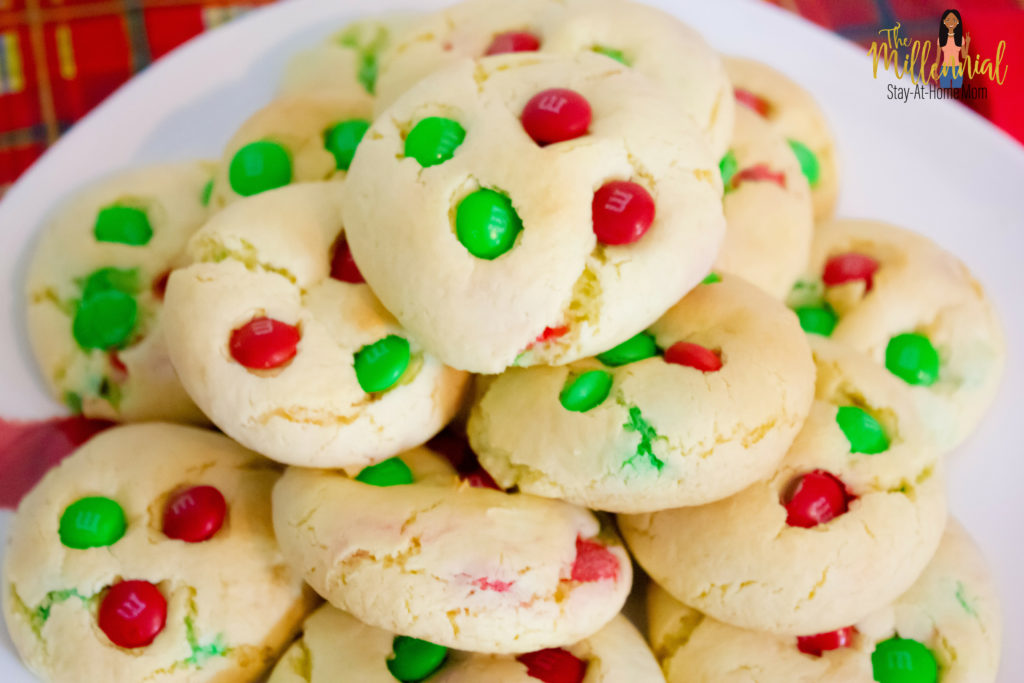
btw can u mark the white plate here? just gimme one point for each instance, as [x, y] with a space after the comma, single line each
[932, 166]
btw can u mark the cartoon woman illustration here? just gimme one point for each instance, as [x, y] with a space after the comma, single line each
[951, 71]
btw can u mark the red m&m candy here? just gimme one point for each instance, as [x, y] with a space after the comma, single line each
[556, 115]
[132, 613]
[818, 498]
[554, 665]
[195, 514]
[264, 343]
[622, 212]
[693, 356]
[824, 642]
[594, 562]
[752, 101]
[849, 267]
[513, 41]
[343, 266]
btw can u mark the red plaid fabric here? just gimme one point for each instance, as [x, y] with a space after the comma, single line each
[60, 58]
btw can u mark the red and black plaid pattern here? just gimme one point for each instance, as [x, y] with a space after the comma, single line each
[59, 58]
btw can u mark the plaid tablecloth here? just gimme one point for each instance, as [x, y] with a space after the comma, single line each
[59, 58]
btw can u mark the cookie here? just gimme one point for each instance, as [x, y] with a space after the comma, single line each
[656, 44]
[768, 214]
[796, 115]
[150, 552]
[493, 249]
[914, 308]
[347, 60]
[698, 407]
[95, 290]
[847, 523]
[949, 621]
[300, 137]
[335, 646]
[408, 547]
[277, 338]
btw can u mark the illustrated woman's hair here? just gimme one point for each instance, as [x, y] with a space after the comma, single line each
[958, 32]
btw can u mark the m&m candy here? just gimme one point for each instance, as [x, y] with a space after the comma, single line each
[258, 167]
[343, 266]
[123, 225]
[808, 161]
[637, 347]
[825, 642]
[912, 358]
[487, 224]
[862, 430]
[132, 613]
[380, 364]
[903, 660]
[264, 343]
[105, 320]
[818, 498]
[91, 522]
[513, 41]
[390, 472]
[849, 267]
[820, 320]
[594, 562]
[554, 665]
[693, 356]
[433, 140]
[194, 514]
[342, 139]
[586, 391]
[414, 659]
[556, 115]
[622, 212]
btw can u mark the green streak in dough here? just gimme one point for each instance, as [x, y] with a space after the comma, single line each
[961, 589]
[73, 401]
[644, 449]
[367, 50]
[42, 611]
[201, 653]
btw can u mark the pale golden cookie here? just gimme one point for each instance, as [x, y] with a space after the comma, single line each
[231, 601]
[769, 559]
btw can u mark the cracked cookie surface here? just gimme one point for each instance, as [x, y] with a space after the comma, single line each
[232, 601]
[667, 435]
[95, 293]
[916, 288]
[654, 43]
[556, 293]
[336, 646]
[952, 609]
[271, 256]
[767, 205]
[464, 567]
[793, 112]
[746, 560]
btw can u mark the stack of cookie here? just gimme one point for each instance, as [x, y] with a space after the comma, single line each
[602, 260]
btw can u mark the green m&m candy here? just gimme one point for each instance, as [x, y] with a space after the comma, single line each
[864, 432]
[728, 167]
[105, 279]
[587, 391]
[819, 320]
[711, 278]
[390, 472]
[415, 659]
[380, 364]
[912, 358]
[434, 140]
[105, 320]
[487, 224]
[630, 351]
[91, 522]
[618, 55]
[342, 139]
[808, 161]
[259, 166]
[902, 660]
[124, 225]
